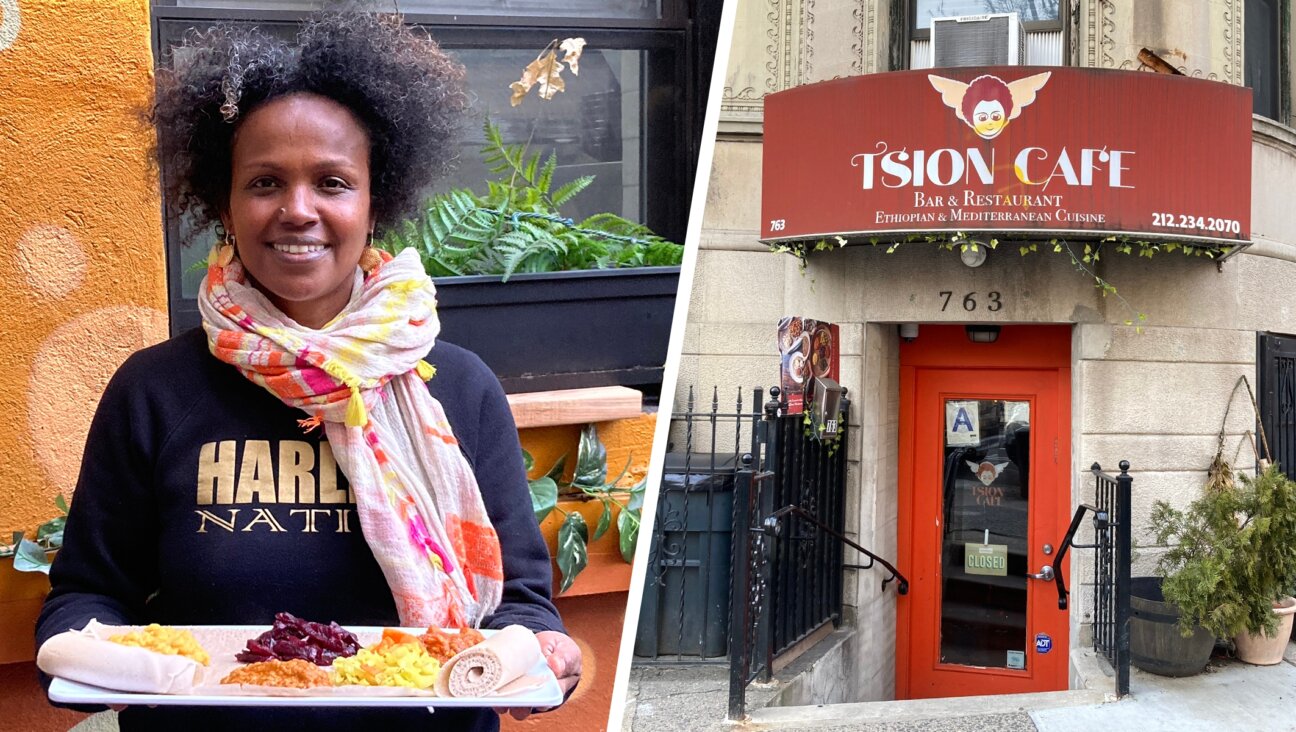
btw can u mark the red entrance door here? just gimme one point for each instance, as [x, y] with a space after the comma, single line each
[984, 484]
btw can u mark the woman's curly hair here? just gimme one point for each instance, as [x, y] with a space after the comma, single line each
[406, 91]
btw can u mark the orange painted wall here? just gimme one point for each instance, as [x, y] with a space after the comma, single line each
[625, 440]
[81, 258]
[83, 278]
[594, 608]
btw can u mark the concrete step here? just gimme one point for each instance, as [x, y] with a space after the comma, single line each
[964, 709]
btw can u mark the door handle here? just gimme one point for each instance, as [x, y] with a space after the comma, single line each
[1045, 573]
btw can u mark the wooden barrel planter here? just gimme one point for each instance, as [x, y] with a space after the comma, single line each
[1156, 645]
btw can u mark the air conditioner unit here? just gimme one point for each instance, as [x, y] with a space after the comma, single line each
[978, 40]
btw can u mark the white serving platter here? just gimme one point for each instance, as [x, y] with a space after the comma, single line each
[546, 694]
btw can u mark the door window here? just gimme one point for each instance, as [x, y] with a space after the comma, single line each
[986, 500]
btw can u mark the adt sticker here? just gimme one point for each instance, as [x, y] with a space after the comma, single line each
[1043, 643]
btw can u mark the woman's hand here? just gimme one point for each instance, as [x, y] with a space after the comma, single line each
[564, 659]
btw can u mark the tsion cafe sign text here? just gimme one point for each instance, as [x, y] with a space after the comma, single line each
[1029, 150]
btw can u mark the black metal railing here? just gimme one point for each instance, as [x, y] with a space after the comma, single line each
[1112, 521]
[685, 613]
[806, 575]
[751, 654]
[788, 545]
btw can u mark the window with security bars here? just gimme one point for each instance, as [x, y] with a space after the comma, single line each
[633, 118]
[1276, 394]
[1043, 35]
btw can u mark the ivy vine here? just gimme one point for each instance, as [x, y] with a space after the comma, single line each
[819, 433]
[1083, 255]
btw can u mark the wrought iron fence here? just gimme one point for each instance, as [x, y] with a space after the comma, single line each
[686, 603]
[750, 641]
[1112, 521]
[789, 522]
[809, 474]
[747, 552]
[1112, 571]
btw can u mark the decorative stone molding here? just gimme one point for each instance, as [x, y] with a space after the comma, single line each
[1205, 45]
[779, 44]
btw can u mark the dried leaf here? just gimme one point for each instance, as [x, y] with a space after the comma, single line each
[530, 75]
[550, 78]
[572, 48]
[519, 91]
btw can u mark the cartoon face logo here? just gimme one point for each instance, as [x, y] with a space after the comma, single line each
[989, 103]
[986, 470]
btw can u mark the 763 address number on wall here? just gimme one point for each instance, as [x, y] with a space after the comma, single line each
[992, 301]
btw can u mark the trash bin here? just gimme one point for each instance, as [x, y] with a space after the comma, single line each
[685, 610]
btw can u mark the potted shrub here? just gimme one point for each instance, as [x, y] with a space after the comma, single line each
[567, 510]
[546, 301]
[24, 582]
[1232, 561]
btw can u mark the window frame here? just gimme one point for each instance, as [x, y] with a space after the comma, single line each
[677, 38]
[1270, 346]
[1281, 63]
[924, 34]
[907, 13]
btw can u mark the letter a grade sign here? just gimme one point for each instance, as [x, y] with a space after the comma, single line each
[962, 423]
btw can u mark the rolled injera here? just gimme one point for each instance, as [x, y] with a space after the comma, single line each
[89, 657]
[486, 667]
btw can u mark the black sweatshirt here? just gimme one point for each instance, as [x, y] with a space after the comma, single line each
[201, 501]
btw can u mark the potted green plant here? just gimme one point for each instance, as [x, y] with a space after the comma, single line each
[546, 301]
[24, 584]
[1232, 561]
[566, 510]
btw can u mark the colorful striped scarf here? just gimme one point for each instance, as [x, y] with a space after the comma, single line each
[361, 376]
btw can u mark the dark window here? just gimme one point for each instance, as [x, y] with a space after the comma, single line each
[632, 118]
[1276, 387]
[1264, 65]
[592, 9]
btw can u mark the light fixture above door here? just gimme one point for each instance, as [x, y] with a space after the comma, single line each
[983, 333]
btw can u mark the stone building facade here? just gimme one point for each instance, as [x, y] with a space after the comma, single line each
[1155, 396]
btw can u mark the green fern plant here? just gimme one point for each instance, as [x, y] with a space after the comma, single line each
[516, 225]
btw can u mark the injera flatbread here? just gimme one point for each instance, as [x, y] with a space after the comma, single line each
[89, 657]
[487, 667]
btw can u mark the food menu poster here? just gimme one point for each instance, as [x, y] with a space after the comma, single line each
[807, 349]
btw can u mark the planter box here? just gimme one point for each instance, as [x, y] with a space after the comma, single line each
[564, 330]
[1156, 645]
[21, 597]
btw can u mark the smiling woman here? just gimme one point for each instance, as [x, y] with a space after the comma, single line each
[299, 203]
[411, 507]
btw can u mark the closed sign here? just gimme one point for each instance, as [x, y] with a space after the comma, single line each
[988, 559]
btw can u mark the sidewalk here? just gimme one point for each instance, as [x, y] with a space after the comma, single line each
[1230, 695]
